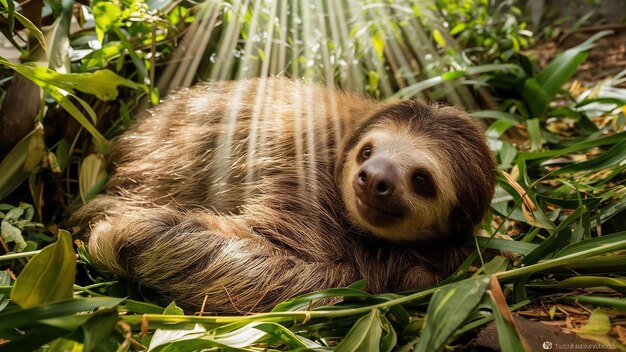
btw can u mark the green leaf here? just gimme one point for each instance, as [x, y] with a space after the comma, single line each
[558, 238]
[5, 280]
[536, 97]
[31, 28]
[64, 344]
[197, 339]
[56, 56]
[142, 71]
[583, 145]
[499, 127]
[102, 144]
[452, 75]
[102, 83]
[33, 339]
[563, 67]
[458, 28]
[365, 334]
[378, 42]
[591, 243]
[163, 337]
[499, 115]
[480, 69]
[12, 166]
[615, 303]
[618, 284]
[448, 310]
[92, 176]
[10, 233]
[62, 154]
[598, 324]
[508, 152]
[16, 318]
[496, 265]
[286, 336]
[439, 39]
[534, 133]
[502, 244]
[304, 301]
[414, 89]
[560, 71]
[603, 265]
[49, 276]
[612, 211]
[106, 15]
[389, 339]
[173, 309]
[142, 307]
[36, 151]
[98, 330]
[611, 158]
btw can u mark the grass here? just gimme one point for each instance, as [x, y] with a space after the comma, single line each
[554, 241]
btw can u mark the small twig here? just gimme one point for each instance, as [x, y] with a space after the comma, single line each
[128, 335]
[206, 297]
[144, 326]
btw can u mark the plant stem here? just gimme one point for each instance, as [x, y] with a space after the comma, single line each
[601, 249]
[18, 255]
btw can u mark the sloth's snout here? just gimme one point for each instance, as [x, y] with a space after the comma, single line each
[377, 178]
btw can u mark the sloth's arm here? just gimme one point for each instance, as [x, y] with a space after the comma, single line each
[188, 256]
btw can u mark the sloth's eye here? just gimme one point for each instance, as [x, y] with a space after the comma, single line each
[366, 152]
[423, 185]
[419, 179]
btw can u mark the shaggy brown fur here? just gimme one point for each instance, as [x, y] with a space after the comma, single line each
[253, 192]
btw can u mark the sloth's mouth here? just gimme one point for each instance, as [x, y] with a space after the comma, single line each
[376, 215]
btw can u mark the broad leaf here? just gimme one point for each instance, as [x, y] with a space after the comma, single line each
[49, 276]
[448, 309]
[13, 165]
[365, 334]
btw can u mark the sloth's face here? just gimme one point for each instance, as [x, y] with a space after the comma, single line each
[395, 185]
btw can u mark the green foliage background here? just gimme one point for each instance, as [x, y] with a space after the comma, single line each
[556, 228]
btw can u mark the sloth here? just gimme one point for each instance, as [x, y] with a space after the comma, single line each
[236, 196]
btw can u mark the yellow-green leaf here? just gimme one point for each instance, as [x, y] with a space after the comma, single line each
[12, 166]
[552, 312]
[365, 334]
[598, 323]
[34, 31]
[439, 38]
[378, 41]
[105, 15]
[102, 83]
[92, 176]
[448, 309]
[36, 150]
[49, 276]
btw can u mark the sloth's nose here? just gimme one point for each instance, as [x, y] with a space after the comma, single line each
[378, 177]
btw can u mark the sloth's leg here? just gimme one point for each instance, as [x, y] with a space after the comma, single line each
[190, 256]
